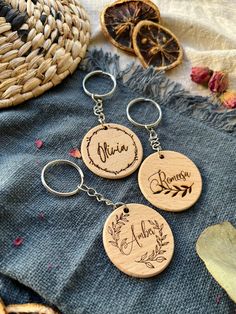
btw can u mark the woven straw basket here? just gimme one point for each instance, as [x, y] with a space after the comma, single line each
[41, 42]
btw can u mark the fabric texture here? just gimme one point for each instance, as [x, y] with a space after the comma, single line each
[62, 258]
[206, 29]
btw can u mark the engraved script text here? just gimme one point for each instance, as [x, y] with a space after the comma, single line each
[105, 151]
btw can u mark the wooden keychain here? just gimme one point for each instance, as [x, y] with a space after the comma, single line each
[137, 239]
[169, 180]
[109, 150]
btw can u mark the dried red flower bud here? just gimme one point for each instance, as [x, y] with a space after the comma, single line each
[228, 99]
[201, 75]
[219, 82]
[38, 143]
[18, 241]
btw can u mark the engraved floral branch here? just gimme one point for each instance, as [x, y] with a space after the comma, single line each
[157, 253]
[175, 189]
[115, 228]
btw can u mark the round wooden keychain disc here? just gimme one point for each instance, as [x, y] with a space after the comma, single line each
[172, 183]
[111, 151]
[138, 240]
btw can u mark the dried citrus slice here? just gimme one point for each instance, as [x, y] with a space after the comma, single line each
[2, 307]
[156, 46]
[119, 19]
[30, 308]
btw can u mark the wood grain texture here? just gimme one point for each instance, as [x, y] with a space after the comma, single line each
[138, 240]
[173, 183]
[111, 151]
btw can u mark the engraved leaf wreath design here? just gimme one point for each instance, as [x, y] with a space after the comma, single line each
[157, 253]
[185, 189]
[115, 228]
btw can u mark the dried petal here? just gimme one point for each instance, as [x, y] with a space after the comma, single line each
[75, 153]
[216, 246]
[219, 82]
[228, 99]
[41, 216]
[201, 75]
[218, 299]
[18, 241]
[38, 143]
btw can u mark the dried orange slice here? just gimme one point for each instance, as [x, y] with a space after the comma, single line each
[119, 19]
[156, 46]
[2, 307]
[29, 308]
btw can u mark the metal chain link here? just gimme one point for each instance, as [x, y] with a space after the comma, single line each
[98, 109]
[100, 198]
[154, 140]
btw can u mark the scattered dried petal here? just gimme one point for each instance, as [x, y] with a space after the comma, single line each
[228, 99]
[75, 153]
[216, 246]
[218, 299]
[18, 241]
[41, 216]
[38, 143]
[219, 82]
[49, 267]
[201, 75]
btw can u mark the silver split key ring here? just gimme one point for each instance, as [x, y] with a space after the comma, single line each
[95, 73]
[80, 187]
[153, 137]
[98, 98]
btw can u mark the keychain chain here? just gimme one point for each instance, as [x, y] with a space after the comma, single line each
[100, 198]
[98, 109]
[154, 140]
[81, 187]
[97, 98]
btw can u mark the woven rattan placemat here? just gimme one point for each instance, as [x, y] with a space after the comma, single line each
[41, 42]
